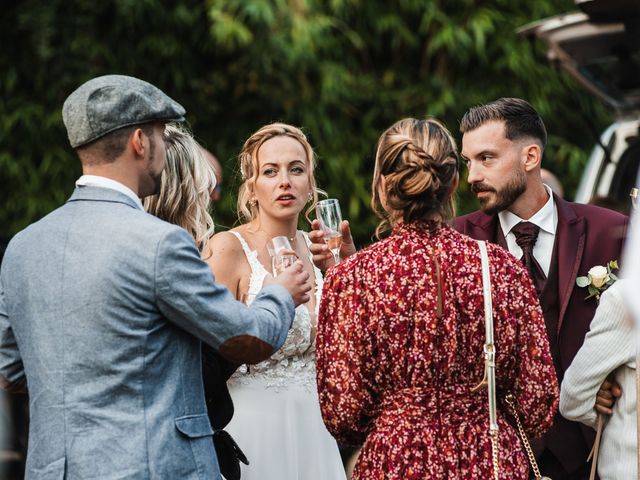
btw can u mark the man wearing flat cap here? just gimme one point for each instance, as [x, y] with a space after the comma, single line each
[104, 330]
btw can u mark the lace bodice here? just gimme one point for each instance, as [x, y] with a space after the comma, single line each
[294, 363]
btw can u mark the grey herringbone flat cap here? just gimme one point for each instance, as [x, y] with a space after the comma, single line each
[104, 104]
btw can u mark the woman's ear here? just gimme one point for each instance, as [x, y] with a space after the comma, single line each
[252, 193]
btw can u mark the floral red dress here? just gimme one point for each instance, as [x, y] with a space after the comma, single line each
[398, 352]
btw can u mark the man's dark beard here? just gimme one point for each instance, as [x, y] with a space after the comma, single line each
[503, 198]
[157, 183]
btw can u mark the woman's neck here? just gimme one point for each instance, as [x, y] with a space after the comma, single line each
[275, 228]
[397, 221]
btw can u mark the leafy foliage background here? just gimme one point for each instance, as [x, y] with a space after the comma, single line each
[344, 70]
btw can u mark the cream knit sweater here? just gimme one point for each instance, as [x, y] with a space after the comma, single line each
[608, 347]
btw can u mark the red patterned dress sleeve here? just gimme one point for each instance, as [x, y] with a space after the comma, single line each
[342, 353]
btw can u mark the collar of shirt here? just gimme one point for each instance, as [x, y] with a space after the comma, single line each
[545, 218]
[104, 182]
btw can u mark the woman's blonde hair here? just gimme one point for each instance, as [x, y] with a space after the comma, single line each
[186, 184]
[418, 160]
[248, 160]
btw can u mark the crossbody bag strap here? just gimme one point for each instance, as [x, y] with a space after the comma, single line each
[490, 377]
[489, 358]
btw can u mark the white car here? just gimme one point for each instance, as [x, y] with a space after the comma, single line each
[600, 47]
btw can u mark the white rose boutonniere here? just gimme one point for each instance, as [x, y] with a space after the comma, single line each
[598, 279]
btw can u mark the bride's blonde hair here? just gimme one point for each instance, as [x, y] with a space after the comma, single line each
[248, 160]
[185, 186]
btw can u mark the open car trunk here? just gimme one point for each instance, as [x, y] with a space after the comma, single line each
[599, 46]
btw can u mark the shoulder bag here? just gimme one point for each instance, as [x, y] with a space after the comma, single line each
[489, 379]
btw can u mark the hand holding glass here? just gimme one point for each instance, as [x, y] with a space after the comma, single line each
[330, 218]
[280, 259]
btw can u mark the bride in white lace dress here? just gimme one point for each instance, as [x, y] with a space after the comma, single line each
[277, 421]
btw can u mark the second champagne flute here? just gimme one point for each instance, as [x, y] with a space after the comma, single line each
[330, 217]
[280, 260]
[248, 298]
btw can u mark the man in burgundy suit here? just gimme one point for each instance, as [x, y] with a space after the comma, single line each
[502, 146]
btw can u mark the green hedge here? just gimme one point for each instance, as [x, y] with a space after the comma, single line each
[342, 70]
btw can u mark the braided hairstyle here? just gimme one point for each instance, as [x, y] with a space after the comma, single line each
[416, 168]
[248, 160]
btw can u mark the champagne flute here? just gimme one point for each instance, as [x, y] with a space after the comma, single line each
[634, 198]
[330, 218]
[280, 260]
[248, 298]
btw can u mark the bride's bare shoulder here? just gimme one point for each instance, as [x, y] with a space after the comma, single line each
[224, 246]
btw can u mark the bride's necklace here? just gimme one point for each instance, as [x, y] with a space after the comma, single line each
[291, 239]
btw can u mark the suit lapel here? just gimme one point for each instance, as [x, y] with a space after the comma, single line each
[570, 236]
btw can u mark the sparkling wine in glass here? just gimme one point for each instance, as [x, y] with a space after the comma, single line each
[280, 260]
[330, 218]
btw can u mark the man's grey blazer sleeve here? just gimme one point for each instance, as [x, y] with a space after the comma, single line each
[189, 297]
[12, 377]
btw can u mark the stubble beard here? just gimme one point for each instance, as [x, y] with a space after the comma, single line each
[503, 198]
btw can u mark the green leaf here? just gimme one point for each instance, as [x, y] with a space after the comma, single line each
[343, 70]
[583, 281]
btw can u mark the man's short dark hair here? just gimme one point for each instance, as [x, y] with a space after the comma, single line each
[520, 118]
[108, 148]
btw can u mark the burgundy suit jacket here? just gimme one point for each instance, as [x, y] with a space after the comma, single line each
[586, 236]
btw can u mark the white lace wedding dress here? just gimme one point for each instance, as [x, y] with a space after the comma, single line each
[277, 421]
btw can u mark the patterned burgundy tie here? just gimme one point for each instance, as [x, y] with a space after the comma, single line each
[526, 235]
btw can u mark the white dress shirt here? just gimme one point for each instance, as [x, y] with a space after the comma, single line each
[104, 182]
[547, 219]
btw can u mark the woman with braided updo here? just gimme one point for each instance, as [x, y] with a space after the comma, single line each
[401, 330]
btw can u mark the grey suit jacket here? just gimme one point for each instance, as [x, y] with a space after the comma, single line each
[102, 311]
